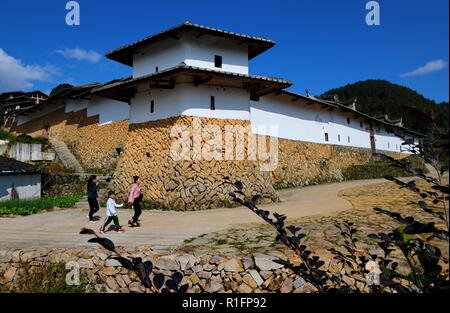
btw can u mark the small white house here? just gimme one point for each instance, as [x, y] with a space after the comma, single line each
[19, 179]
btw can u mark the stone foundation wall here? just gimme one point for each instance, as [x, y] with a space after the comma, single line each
[189, 184]
[92, 144]
[204, 273]
[304, 163]
[186, 184]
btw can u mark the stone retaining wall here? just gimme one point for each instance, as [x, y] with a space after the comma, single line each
[93, 145]
[195, 185]
[189, 184]
[204, 273]
[304, 163]
[185, 184]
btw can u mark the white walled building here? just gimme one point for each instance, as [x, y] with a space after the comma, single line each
[193, 70]
[199, 71]
[76, 99]
[19, 179]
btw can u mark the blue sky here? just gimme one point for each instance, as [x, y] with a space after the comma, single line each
[320, 44]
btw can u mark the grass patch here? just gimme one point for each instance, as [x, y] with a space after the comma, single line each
[28, 207]
[49, 278]
[189, 240]
[372, 171]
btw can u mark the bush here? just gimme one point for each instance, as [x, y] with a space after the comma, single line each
[372, 170]
[380, 169]
[28, 207]
[23, 138]
[4, 135]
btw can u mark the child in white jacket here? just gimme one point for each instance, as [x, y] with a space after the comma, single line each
[111, 213]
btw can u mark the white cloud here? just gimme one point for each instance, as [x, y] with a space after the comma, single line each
[16, 76]
[80, 54]
[431, 66]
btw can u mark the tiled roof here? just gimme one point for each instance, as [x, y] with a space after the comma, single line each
[181, 67]
[72, 92]
[10, 166]
[124, 54]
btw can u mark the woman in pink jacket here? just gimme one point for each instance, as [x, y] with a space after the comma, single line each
[135, 199]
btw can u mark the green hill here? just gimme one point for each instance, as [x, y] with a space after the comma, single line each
[378, 97]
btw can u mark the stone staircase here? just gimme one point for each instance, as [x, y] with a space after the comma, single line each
[66, 157]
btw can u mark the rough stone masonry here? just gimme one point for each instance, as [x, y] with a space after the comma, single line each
[203, 273]
[189, 184]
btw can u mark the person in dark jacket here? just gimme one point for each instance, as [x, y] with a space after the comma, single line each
[92, 196]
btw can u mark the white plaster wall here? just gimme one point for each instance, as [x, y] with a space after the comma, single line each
[387, 141]
[230, 103]
[75, 105]
[201, 52]
[193, 51]
[109, 110]
[26, 152]
[185, 99]
[163, 54]
[298, 121]
[167, 104]
[28, 186]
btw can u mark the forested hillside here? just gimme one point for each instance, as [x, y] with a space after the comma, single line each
[378, 97]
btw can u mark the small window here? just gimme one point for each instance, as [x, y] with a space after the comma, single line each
[339, 138]
[326, 136]
[152, 106]
[218, 61]
[389, 145]
[212, 104]
[348, 139]
[156, 69]
[361, 124]
[348, 120]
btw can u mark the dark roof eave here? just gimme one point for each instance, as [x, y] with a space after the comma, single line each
[72, 92]
[124, 54]
[5, 173]
[190, 69]
[10, 166]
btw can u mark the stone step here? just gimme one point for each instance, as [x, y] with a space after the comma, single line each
[66, 157]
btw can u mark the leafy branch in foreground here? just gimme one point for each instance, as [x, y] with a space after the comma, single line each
[423, 259]
[310, 267]
[425, 271]
[159, 284]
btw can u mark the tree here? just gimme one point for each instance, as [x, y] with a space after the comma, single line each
[379, 97]
[59, 88]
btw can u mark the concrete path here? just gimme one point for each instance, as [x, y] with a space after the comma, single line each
[166, 229]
